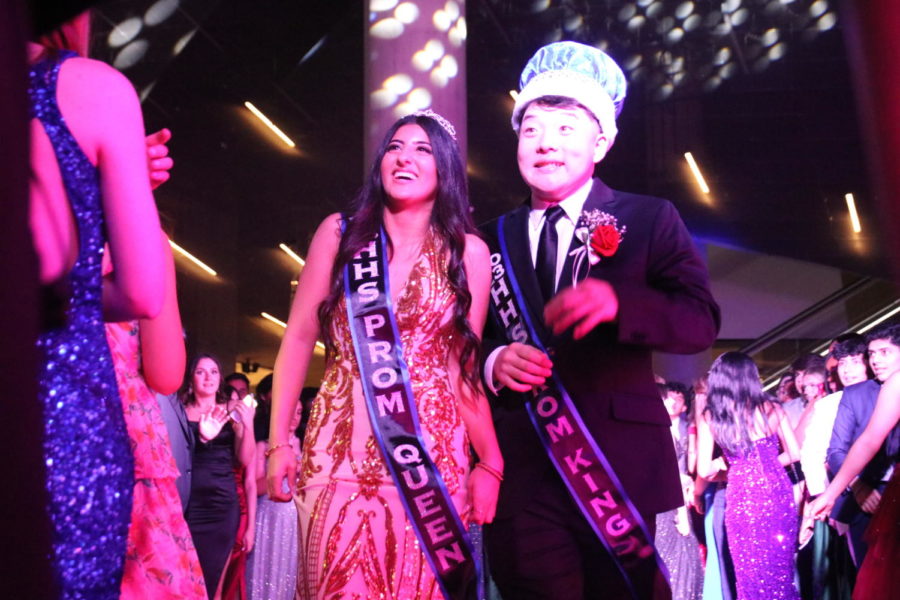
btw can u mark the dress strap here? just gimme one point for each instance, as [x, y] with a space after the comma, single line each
[73, 163]
[43, 77]
[80, 177]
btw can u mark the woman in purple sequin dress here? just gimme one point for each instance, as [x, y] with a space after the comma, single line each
[89, 183]
[760, 514]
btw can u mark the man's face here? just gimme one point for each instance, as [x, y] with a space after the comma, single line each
[674, 402]
[813, 386]
[852, 369]
[786, 389]
[238, 384]
[884, 358]
[558, 148]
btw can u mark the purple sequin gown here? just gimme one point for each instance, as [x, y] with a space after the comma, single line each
[90, 472]
[761, 523]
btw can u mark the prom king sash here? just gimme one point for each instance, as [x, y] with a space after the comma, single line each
[395, 422]
[583, 467]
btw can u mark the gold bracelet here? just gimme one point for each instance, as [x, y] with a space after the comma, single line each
[489, 469]
[272, 449]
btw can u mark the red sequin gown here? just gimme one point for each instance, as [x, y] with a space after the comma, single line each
[879, 575]
[356, 541]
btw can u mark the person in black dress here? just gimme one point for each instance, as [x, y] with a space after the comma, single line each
[213, 511]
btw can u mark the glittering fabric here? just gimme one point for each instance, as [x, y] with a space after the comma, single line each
[272, 567]
[160, 561]
[761, 523]
[356, 540]
[879, 574]
[90, 473]
[680, 552]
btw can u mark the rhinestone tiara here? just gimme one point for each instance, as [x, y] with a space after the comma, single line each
[448, 127]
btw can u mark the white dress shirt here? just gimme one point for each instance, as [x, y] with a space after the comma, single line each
[565, 229]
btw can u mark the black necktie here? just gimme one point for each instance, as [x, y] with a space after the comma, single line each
[545, 266]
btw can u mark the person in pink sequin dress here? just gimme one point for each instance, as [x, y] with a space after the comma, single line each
[760, 514]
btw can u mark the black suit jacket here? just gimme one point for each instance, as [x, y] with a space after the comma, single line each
[854, 411]
[664, 304]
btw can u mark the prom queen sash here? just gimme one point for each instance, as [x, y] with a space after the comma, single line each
[583, 467]
[392, 411]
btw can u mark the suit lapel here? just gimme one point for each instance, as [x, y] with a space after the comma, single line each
[178, 407]
[519, 248]
[599, 198]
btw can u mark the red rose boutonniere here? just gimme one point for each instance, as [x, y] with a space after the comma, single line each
[600, 236]
[605, 240]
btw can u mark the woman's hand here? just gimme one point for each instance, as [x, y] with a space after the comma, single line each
[820, 508]
[687, 489]
[720, 466]
[249, 538]
[282, 464]
[682, 522]
[483, 491]
[244, 414]
[211, 423]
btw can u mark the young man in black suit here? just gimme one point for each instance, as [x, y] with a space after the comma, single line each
[605, 278]
[857, 404]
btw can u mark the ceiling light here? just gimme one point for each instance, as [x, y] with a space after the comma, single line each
[192, 258]
[131, 54]
[256, 112]
[160, 11]
[854, 217]
[696, 170]
[287, 250]
[269, 317]
[124, 32]
[878, 321]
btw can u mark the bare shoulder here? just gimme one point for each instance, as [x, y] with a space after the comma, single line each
[330, 227]
[477, 261]
[328, 236]
[97, 79]
[476, 249]
[774, 414]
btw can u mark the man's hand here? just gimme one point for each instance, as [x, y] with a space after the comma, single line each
[867, 497]
[591, 302]
[158, 161]
[520, 367]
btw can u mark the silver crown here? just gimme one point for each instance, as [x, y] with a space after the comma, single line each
[448, 127]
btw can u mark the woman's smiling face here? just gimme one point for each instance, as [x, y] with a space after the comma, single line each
[408, 169]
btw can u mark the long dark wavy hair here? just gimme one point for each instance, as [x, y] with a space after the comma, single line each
[734, 398]
[186, 391]
[451, 220]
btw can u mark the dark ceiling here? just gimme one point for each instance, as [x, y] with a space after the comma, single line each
[775, 131]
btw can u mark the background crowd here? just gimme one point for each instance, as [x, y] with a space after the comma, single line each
[822, 406]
